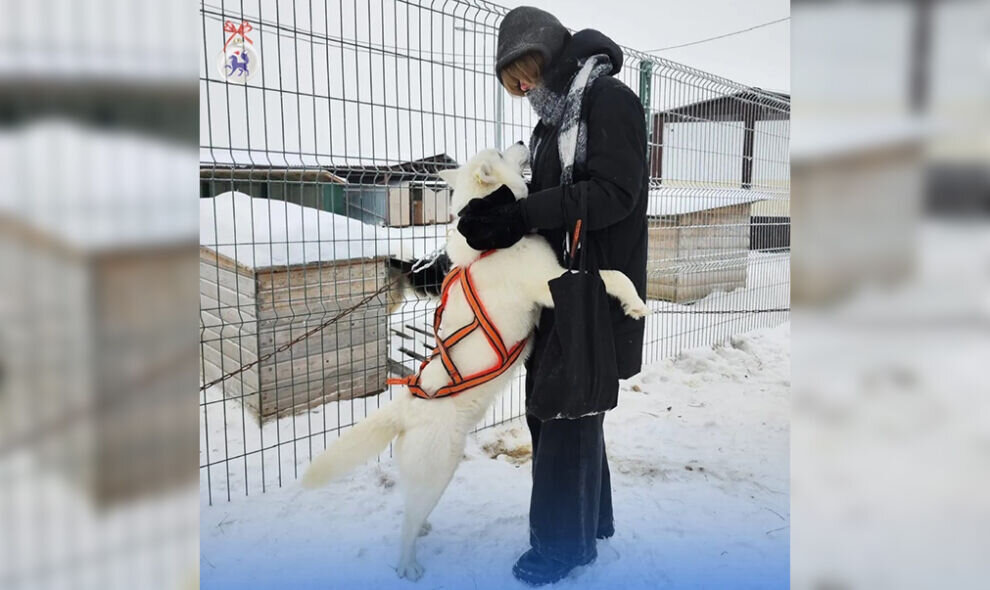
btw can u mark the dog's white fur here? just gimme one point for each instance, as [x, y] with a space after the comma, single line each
[430, 434]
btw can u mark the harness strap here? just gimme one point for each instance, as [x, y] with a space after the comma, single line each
[441, 347]
[457, 382]
[481, 314]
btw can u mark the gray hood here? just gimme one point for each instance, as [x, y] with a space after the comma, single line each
[525, 29]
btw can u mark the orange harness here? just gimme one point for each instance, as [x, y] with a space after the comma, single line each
[459, 383]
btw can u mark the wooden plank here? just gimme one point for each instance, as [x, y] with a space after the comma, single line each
[738, 246]
[372, 311]
[722, 277]
[279, 276]
[232, 356]
[299, 310]
[688, 267]
[285, 367]
[213, 316]
[210, 335]
[716, 216]
[236, 386]
[721, 256]
[660, 291]
[335, 336]
[355, 390]
[212, 257]
[352, 389]
[731, 231]
[306, 368]
[330, 292]
[232, 280]
[326, 274]
[329, 378]
[715, 259]
[662, 240]
[662, 243]
[227, 296]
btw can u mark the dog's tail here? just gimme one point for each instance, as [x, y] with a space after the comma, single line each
[355, 446]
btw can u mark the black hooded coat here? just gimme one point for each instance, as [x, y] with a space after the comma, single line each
[614, 179]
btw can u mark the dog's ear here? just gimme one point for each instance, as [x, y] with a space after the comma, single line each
[449, 175]
[485, 174]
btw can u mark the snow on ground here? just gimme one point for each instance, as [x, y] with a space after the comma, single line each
[57, 534]
[698, 449]
[891, 446]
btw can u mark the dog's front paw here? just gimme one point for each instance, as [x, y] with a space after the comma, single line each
[425, 529]
[411, 571]
[637, 310]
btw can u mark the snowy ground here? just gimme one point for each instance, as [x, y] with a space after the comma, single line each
[891, 420]
[699, 454]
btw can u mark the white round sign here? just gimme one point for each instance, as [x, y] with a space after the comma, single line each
[239, 60]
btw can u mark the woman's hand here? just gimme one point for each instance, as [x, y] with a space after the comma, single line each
[495, 221]
[503, 195]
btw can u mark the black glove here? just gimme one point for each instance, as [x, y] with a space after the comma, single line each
[495, 221]
[503, 195]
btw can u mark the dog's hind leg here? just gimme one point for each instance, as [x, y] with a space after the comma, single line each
[619, 286]
[427, 461]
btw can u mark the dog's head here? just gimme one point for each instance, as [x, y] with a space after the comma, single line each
[485, 172]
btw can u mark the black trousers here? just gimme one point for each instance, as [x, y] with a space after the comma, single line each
[571, 501]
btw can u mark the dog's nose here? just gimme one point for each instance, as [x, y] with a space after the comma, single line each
[520, 142]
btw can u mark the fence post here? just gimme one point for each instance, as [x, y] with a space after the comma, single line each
[645, 93]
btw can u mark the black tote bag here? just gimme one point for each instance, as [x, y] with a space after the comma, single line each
[577, 373]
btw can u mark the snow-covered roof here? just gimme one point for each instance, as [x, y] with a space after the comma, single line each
[260, 233]
[97, 189]
[682, 200]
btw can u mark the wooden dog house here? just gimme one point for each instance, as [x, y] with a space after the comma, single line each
[271, 271]
[698, 242]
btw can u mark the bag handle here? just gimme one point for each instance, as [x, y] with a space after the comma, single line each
[577, 236]
[575, 241]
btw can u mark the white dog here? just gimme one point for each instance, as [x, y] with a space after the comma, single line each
[430, 433]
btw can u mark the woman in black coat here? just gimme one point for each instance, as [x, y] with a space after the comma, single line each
[571, 502]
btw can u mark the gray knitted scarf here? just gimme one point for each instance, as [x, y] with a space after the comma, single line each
[565, 110]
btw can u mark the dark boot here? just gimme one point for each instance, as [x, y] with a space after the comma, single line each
[536, 569]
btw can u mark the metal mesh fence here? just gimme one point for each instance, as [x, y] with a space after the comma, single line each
[323, 125]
